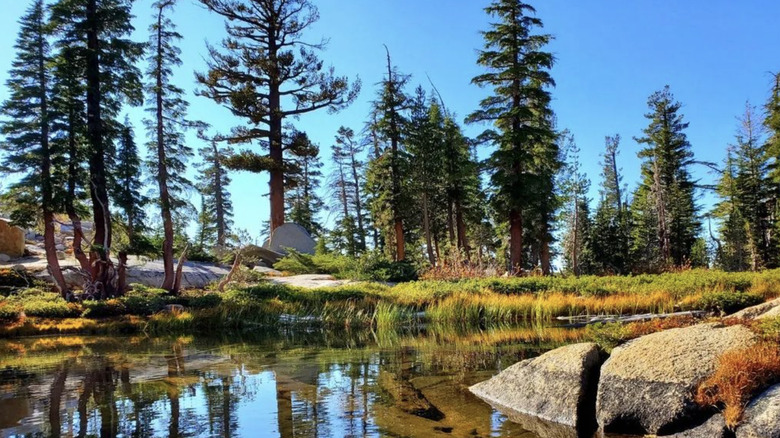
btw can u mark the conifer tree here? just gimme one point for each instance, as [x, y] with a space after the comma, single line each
[576, 213]
[128, 184]
[611, 225]
[26, 129]
[265, 65]
[216, 206]
[95, 34]
[168, 152]
[346, 183]
[754, 189]
[665, 199]
[302, 182]
[732, 252]
[518, 72]
[352, 150]
[387, 171]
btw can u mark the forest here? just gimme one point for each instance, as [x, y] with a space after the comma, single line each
[407, 187]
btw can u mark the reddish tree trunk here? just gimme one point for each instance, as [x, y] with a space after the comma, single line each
[515, 242]
[463, 243]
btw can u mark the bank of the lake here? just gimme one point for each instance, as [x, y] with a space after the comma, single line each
[465, 303]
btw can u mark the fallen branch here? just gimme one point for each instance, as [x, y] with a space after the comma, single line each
[179, 271]
[233, 270]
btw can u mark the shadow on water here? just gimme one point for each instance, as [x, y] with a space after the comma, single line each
[284, 383]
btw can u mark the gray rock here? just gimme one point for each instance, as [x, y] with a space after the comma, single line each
[290, 236]
[758, 310]
[558, 386]
[309, 281]
[61, 255]
[761, 416]
[771, 313]
[11, 239]
[60, 247]
[647, 384]
[715, 427]
[5, 258]
[174, 309]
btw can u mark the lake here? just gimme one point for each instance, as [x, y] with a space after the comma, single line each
[278, 383]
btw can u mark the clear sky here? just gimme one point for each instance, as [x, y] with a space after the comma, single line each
[611, 55]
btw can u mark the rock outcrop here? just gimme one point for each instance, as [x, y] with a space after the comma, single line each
[647, 384]
[558, 386]
[715, 427]
[11, 239]
[759, 311]
[761, 416]
[290, 235]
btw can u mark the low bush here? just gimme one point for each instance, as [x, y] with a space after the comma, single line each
[740, 375]
[51, 309]
[205, 301]
[726, 302]
[8, 312]
[103, 309]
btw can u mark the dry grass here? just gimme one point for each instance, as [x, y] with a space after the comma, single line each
[740, 375]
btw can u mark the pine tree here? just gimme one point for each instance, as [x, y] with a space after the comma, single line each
[346, 183]
[732, 244]
[264, 65]
[26, 129]
[611, 225]
[168, 152]
[518, 72]
[128, 185]
[387, 170]
[352, 150]
[576, 213]
[754, 189]
[665, 200]
[216, 206]
[94, 33]
[302, 182]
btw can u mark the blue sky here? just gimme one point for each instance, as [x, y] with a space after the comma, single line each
[611, 55]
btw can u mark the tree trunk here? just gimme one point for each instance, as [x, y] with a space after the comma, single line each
[451, 223]
[427, 230]
[220, 208]
[515, 242]
[99, 257]
[463, 243]
[180, 271]
[358, 202]
[236, 266]
[162, 167]
[51, 254]
[400, 250]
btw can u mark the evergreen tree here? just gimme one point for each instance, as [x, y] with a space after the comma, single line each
[611, 224]
[302, 182]
[168, 152]
[665, 199]
[732, 252]
[754, 189]
[128, 185]
[94, 33]
[26, 129]
[346, 183]
[264, 65]
[387, 170]
[576, 212]
[518, 72]
[216, 212]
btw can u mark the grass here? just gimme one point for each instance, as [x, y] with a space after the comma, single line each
[740, 375]
[471, 302]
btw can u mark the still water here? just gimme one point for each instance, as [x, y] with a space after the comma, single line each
[277, 384]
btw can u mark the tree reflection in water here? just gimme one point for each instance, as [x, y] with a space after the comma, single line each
[182, 388]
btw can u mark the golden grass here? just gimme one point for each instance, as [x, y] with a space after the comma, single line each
[739, 376]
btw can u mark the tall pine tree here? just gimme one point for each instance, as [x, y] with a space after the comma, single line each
[665, 199]
[266, 73]
[610, 233]
[128, 184]
[26, 129]
[518, 73]
[216, 206]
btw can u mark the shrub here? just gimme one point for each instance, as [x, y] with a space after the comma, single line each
[103, 309]
[740, 375]
[297, 263]
[608, 335]
[205, 301]
[142, 305]
[728, 302]
[8, 312]
[50, 309]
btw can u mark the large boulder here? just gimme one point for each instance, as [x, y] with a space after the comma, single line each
[647, 385]
[761, 416]
[290, 235]
[759, 311]
[11, 239]
[558, 386]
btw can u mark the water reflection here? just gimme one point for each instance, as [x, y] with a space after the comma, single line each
[282, 385]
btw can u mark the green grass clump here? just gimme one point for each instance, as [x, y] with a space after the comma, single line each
[727, 302]
[103, 309]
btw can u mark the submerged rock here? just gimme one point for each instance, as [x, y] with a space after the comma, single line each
[761, 416]
[647, 384]
[558, 386]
